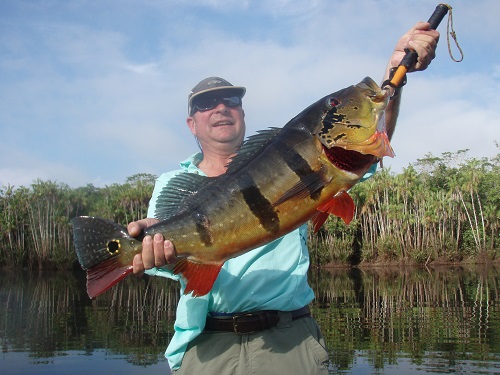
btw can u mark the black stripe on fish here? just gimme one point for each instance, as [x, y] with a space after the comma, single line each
[202, 224]
[260, 206]
[300, 167]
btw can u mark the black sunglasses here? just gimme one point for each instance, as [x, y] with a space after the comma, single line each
[208, 103]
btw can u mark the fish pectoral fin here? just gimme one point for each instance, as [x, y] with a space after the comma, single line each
[106, 274]
[200, 277]
[319, 219]
[340, 205]
[304, 188]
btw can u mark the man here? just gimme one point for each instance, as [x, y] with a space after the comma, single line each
[255, 319]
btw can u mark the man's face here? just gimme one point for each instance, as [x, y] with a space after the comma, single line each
[222, 125]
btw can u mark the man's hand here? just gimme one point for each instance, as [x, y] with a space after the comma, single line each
[156, 251]
[419, 39]
[424, 42]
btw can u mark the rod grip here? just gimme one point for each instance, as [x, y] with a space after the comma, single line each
[435, 19]
[411, 57]
[438, 15]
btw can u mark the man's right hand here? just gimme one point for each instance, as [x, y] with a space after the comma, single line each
[156, 251]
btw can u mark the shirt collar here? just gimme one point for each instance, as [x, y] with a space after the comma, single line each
[190, 165]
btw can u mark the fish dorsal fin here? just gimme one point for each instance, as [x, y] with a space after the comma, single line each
[252, 146]
[171, 198]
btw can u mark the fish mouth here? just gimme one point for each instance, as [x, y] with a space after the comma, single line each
[349, 160]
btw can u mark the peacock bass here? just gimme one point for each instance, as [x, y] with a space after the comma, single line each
[279, 179]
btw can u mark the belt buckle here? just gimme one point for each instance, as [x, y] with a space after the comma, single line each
[235, 324]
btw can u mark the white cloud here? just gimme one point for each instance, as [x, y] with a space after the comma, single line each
[95, 94]
[447, 115]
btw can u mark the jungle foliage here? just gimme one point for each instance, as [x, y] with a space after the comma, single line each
[440, 209]
[35, 229]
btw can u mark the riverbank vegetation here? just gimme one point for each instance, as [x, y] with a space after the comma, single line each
[438, 210]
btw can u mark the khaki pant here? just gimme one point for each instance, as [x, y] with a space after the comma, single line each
[291, 348]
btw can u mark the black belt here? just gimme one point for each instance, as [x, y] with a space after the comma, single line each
[245, 323]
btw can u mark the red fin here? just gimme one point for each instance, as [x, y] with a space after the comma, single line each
[104, 275]
[318, 220]
[200, 277]
[340, 205]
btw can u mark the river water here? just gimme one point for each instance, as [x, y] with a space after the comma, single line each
[376, 321]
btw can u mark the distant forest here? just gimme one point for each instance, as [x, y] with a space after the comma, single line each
[438, 210]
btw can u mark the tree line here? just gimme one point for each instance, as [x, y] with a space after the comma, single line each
[35, 229]
[439, 209]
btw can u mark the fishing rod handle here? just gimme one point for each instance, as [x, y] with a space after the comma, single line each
[411, 57]
[438, 15]
[435, 19]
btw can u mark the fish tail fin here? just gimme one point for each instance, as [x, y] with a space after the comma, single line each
[200, 277]
[105, 275]
[340, 205]
[100, 245]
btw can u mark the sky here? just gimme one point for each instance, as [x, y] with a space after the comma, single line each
[93, 92]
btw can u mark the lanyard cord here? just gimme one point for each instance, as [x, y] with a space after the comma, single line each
[454, 36]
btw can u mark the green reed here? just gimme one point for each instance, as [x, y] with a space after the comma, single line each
[440, 210]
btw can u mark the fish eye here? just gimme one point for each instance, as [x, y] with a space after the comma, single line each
[332, 102]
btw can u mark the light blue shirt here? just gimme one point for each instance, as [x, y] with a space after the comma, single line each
[271, 277]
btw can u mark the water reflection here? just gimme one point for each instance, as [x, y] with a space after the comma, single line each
[375, 321]
[428, 319]
[50, 315]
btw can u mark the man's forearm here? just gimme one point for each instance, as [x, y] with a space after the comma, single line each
[391, 114]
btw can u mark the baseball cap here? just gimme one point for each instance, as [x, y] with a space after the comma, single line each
[212, 84]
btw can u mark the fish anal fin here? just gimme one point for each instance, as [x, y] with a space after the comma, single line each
[340, 205]
[106, 274]
[200, 277]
